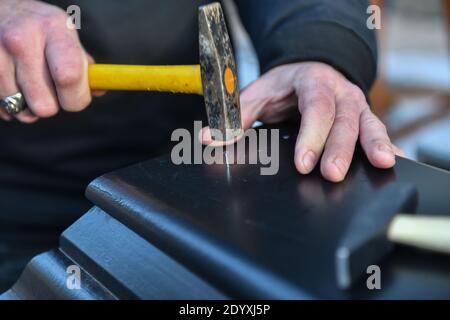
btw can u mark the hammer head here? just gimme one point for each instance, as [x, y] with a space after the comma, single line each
[219, 78]
[365, 241]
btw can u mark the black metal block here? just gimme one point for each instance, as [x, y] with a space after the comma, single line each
[207, 231]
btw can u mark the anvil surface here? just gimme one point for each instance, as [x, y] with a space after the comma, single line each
[159, 230]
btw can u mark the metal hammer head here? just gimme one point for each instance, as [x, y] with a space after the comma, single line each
[219, 78]
[365, 241]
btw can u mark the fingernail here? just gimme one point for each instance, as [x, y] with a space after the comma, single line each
[309, 160]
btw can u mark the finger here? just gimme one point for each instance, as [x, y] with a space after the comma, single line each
[68, 64]
[26, 116]
[269, 98]
[7, 83]
[317, 106]
[95, 93]
[206, 138]
[341, 142]
[5, 116]
[9, 87]
[31, 70]
[375, 141]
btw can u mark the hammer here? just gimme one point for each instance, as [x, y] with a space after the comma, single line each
[215, 77]
[375, 228]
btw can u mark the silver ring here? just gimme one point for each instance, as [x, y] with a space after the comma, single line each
[13, 104]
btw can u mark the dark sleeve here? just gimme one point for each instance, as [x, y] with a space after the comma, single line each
[330, 31]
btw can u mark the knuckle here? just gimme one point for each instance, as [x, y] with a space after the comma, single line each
[320, 99]
[377, 124]
[16, 39]
[382, 126]
[322, 73]
[321, 78]
[55, 19]
[13, 40]
[323, 84]
[321, 106]
[324, 89]
[355, 93]
[69, 74]
[46, 110]
[349, 122]
[370, 120]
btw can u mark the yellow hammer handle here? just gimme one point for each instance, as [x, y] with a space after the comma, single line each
[175, 79]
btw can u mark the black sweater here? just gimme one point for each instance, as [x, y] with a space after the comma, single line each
[45, 167]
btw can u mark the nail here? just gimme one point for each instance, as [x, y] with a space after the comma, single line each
[309, 160]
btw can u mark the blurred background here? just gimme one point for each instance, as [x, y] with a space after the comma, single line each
[412, 93]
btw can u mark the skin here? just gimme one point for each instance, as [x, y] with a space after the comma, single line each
[44, 58]
[334, 114]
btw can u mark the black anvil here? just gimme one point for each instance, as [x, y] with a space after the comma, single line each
[165, 231]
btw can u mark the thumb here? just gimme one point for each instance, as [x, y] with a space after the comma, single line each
[268, 99]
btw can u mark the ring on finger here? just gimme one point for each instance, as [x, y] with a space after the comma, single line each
[13, 104]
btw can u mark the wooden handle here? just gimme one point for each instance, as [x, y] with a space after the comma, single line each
[426, 232]
[175, 79]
